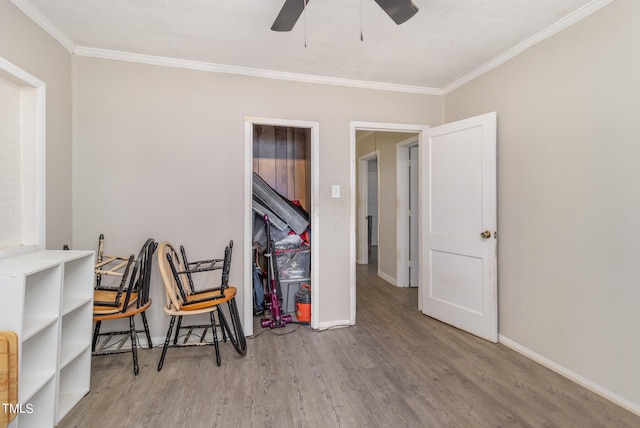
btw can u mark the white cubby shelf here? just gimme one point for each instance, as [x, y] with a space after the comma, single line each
[48, 302]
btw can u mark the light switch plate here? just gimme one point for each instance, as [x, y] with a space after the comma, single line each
[335, 191]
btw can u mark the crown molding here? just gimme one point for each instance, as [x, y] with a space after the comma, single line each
[58, 35]
[553, 29]
[248, 71]
[44, 23]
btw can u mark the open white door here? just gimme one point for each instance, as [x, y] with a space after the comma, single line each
[458, 224]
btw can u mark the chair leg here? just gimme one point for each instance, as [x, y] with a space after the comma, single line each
[166, 342]
[221, 318]
[224, 326]
[175, 339]
[237, 327]
[146, 330]
[215, 338]
[134, 347]
[96, 334]
[235, 332]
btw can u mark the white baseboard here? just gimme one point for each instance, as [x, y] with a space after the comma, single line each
[603, 392]
[334, 324]
[388, 278]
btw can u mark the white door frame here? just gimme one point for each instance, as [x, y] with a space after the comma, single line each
[402, 215]
[363, 200]
[367, 126]
[249, 122]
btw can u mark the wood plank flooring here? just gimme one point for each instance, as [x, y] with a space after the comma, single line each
[394, 368]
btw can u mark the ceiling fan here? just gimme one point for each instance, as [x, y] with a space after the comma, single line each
[398, 10]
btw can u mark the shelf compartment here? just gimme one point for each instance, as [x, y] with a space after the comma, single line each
[33, 326]
[75, 333]
[39, 410]
[73, 384]
[42, 294]
[38, 361]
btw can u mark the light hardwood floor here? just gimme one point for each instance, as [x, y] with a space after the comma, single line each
[394, 368]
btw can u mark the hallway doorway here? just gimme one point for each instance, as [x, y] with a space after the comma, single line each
[379, 239]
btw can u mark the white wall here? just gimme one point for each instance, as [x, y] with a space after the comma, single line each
[568, 198]
[159, 153]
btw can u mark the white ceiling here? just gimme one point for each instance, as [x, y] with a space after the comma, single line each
[444, 42]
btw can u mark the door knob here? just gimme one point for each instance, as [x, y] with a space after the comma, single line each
[486, 234]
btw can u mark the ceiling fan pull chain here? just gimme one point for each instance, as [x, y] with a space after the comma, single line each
[304, 5]
[361, 19]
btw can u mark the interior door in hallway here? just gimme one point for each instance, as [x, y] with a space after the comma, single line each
[372, 211]
[458, 214]
[414, 214]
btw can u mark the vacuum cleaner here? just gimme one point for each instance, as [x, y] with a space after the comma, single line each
[273, 284]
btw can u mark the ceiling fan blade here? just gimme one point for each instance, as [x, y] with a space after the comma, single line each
[289, 14]
[398, 10]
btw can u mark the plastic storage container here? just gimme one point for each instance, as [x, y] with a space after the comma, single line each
[303, 303]
[294, 265]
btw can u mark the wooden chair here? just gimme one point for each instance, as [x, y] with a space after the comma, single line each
[183, 298]
[129, 298]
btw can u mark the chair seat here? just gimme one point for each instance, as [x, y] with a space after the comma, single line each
[131, 310]
[102, 298]
[208, 299]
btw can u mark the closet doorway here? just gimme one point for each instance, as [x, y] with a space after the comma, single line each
[284, 154]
